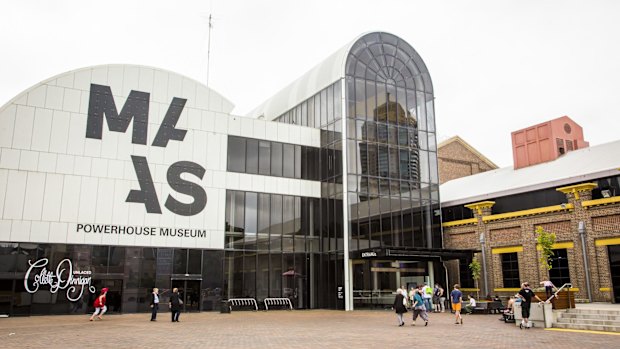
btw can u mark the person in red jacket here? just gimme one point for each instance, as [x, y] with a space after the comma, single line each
[100, 307]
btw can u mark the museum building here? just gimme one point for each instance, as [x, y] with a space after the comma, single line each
[131, 177]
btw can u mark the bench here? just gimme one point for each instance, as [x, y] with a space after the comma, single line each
[488, 307]
[281, 302]
[242, 302]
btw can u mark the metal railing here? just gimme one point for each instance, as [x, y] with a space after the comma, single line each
[568, 286]
[243, 302]
[278, 302]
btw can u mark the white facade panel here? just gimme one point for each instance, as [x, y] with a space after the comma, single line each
[28, 160]
[22, 133]
[15, 192]
[59, 133]
[4, 175]
[5, 230]
[42, 128]
[54, 97]
[33, 199]
[39, 231]
[52, 197]
[7, 125]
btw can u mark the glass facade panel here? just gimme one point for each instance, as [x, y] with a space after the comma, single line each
[252, 156]
[276, 159]
[236, 154]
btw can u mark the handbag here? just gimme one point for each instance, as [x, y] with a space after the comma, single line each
[180, 301]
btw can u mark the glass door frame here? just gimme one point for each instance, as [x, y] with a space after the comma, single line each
[186, 279]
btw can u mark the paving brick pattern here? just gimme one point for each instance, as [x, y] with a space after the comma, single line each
[285, 329]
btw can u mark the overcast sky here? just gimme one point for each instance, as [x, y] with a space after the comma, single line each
[497, 66]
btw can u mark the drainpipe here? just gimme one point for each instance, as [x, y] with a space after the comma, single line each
[484, 265]
[582, 235]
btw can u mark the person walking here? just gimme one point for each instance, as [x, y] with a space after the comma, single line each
[154, 303]
[175, 304]
[100, 307]
[526, 294]
[419, 308]
[399, 305]
[456, 297]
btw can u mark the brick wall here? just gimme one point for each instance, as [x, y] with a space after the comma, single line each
[600, 221]
[455, 161]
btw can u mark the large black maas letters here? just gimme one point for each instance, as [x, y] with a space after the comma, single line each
[148, 196]
[136, 108]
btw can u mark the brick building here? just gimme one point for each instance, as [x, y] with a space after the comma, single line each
[497, 212]
[456, 159]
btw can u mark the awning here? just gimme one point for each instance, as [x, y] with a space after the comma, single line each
[412, 253]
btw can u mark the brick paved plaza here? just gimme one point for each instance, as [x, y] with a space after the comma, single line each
[285, 329]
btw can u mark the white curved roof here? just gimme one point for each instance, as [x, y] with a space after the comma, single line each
[575, 166]
[316, 79]
[130, 76]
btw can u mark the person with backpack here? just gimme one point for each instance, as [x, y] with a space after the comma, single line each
[419, 308]
[100, 307]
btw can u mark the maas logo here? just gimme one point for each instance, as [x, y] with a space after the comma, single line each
[136, 109]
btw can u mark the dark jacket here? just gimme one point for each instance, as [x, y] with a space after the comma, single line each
[175, 303]
[399, 307]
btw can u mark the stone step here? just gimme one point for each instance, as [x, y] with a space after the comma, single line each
[589, 316]
[587, 327]
[593, 311]
[589, 322]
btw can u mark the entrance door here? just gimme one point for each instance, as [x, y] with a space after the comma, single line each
[614, 268]
[189, 292]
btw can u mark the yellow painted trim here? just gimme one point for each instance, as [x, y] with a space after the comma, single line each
[559, 245]
[470, 289]
[478, 206]
[509, 289]
[605, 242]
[575, 189]
[508, 249]
[460, 222]
[581, 331]
[599, 202]
[530, 212]
[605, 289]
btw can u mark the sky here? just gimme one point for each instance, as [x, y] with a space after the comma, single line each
[497, 66]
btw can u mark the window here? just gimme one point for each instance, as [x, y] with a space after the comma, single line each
[559, 273]
[236, 154]
[510, 270]
[467, 280]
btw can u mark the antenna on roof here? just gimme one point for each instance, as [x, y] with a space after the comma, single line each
[209, 49]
